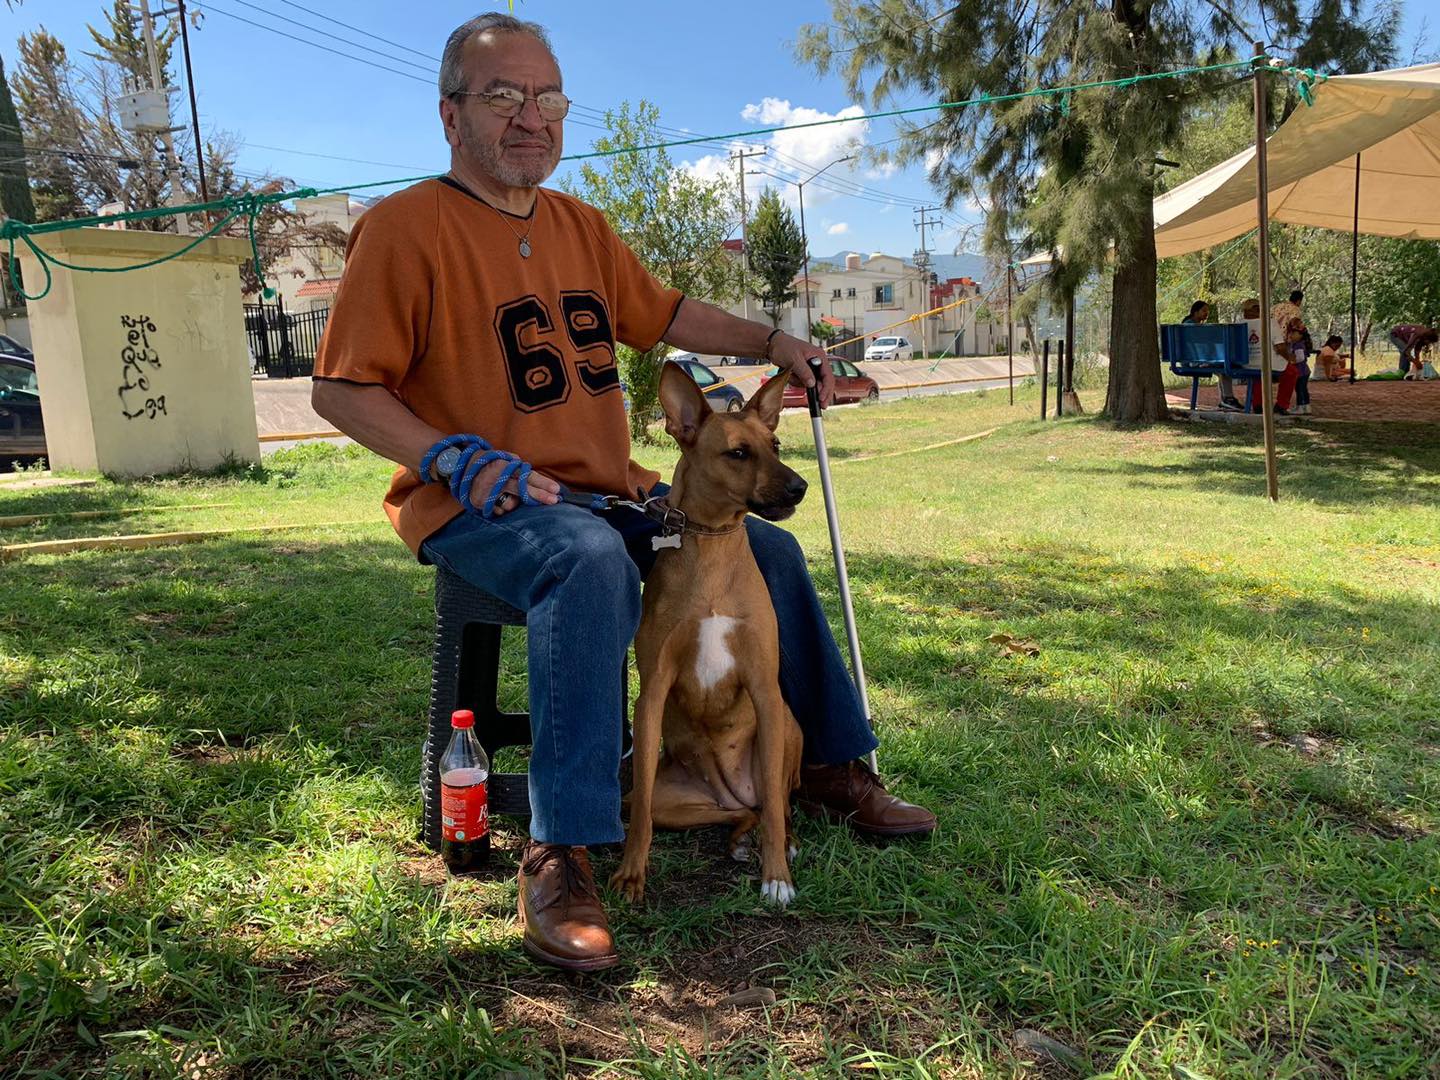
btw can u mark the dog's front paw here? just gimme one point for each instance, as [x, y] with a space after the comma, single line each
[629, 883]
[741, 850]
[777, 891]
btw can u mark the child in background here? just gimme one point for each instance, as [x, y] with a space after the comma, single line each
[1296, 374]
[1331, 361]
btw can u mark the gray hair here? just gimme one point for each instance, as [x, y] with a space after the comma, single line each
[452, 70]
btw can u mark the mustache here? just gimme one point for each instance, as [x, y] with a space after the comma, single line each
[538, 136]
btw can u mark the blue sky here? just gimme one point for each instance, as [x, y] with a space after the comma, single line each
[710, 68]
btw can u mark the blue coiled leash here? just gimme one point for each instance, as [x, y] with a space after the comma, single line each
[475, 454]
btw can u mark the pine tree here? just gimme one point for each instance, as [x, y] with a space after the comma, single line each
[15, 199]
[1074, 174]
[777, 252]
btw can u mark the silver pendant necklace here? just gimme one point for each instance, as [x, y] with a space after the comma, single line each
[524, 239]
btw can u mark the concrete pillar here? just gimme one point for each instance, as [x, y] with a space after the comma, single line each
[145, 371]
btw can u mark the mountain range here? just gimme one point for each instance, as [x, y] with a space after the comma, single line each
[966, 264]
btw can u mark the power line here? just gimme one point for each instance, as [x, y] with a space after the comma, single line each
[333, 37]
[331, 157]
[209, 6]
[358, 30]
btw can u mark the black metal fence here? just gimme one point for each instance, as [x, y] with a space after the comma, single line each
[283, 343]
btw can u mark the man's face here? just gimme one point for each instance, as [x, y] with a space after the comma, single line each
[1203, 315]
[518, 151]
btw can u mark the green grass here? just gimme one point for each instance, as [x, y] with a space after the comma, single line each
[1196, 831]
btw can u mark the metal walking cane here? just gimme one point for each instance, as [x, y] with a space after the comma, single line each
[832, 517]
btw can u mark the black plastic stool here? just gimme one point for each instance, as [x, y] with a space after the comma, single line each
[465, 674]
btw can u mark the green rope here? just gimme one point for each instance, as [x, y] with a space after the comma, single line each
[1171, 292]
[251, 204]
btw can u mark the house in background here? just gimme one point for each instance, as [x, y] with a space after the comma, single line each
[958, 329]
[861, 297]
[307, 279]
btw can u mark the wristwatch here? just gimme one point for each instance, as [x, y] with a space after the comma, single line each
[445, 462]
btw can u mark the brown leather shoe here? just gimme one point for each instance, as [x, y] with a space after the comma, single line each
[855, 795]
[560, 909]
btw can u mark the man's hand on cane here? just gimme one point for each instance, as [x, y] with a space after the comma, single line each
[793, 355]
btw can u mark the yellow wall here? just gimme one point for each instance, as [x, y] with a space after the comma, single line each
[165, 345]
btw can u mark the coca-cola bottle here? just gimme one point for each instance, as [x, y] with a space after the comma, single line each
[464, 814]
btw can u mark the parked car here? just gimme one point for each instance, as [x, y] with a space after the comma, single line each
[22, 429]
[890, 348]
[10, 347]
[722, 396]
[850, 386]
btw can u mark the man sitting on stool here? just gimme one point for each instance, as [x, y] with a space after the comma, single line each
[482, 310]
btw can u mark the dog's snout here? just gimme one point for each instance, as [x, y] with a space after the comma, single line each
[796, 486]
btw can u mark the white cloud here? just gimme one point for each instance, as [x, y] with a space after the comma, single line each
[805, 150]
[883, 171]
[710, 167]
[840, 228]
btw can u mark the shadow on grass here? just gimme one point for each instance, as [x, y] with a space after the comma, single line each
[1317, 462]
[246, 719]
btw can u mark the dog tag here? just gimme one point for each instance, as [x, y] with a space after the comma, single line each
[658, 542]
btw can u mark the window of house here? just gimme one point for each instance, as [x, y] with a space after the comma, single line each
[835, 294]
[850, 294]
[885, 294]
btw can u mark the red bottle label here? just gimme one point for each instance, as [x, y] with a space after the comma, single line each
[464, 813]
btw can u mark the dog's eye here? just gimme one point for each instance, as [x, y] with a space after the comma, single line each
[739, 453]
[775, 446]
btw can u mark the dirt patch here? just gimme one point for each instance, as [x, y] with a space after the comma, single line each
[211, 754]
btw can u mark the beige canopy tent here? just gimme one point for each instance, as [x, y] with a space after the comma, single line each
[1388, 120]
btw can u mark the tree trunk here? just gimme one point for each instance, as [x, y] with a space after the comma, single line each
[1135, 392]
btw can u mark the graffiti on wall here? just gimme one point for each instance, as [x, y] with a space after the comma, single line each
[140, 361]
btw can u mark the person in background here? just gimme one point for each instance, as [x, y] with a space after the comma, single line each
[1330, 361]
[1283, 312]
[1296, 372]
[1200, 313]
[1410, 338]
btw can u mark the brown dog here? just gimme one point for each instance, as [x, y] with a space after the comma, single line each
[708, 648]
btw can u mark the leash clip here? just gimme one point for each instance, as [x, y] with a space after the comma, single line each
[669, 518]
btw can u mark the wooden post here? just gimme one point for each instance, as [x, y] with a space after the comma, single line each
[1045, 379]
[1354, 273]
[1061, 352]
[1010, 327]
[1262, 213]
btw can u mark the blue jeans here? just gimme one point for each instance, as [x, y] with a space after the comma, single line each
[1302, 384]
[576, 573]
[1404, 347]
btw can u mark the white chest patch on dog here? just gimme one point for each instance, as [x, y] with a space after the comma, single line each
[713, 659]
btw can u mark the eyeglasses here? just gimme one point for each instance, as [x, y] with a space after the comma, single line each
[507, 102]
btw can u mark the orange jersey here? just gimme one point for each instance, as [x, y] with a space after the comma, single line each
[438, 306]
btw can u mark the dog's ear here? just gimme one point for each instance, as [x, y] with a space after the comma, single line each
[685, 406]
[768, 400]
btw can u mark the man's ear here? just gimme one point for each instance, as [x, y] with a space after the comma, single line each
[685, 406]
[768, 400]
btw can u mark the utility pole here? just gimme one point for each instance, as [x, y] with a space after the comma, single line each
[194, 112]
[157, 85]
[739, 158]
[922, 260]
[805, 240]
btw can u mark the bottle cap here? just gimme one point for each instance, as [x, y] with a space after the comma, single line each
[462, 718]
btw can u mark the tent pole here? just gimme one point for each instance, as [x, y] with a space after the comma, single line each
[1354, 274]
[1262, 211]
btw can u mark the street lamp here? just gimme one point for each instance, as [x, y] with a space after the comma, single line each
[805, 240]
